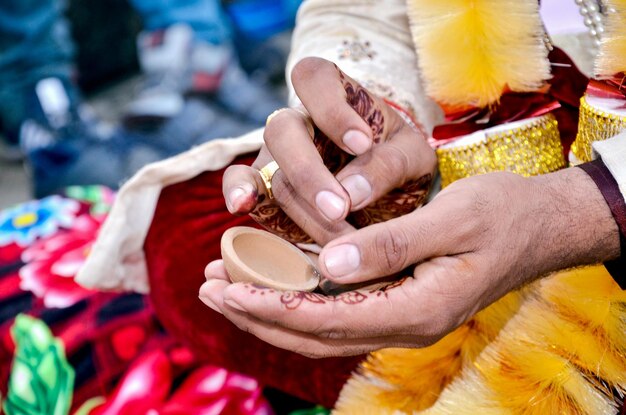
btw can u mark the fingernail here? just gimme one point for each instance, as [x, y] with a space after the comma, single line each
[357, 141]
[234, 305]
[235, 197]
[204, 288]
[358, 188]
[331, 205]
[342, 260]
[209, 304]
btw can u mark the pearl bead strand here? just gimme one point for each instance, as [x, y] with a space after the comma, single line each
[593, 14]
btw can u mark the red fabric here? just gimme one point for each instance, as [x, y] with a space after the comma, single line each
[609, 88]
[567, 85]
[614, 88]
[512, 107]
[185, 235]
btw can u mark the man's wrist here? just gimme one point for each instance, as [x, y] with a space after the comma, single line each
[580, 224]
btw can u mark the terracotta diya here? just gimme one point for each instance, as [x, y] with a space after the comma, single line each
[259, 257]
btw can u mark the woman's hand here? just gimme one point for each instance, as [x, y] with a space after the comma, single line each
[361, 151]
[477, 240]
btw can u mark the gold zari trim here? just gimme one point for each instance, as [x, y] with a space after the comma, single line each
[594, 125]
[529, 150]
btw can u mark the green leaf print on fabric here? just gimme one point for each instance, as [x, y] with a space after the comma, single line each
[41, 381]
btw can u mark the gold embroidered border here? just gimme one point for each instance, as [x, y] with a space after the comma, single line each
[594, 124]
[529, 150]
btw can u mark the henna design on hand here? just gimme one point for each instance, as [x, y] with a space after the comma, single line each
[384, 290]
[292, 300]
[275, 220]
[396, 203]
[363, 103]
[269, 215]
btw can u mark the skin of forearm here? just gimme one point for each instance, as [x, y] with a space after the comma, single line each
[577, 227]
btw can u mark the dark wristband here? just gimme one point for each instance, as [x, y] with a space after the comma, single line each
[609, 188]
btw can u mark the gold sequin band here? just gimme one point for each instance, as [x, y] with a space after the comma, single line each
[530, 149]
[594, 124]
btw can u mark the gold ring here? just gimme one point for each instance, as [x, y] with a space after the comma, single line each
[266, 173]
[307, 119]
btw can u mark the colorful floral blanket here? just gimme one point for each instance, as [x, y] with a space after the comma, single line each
[68, 350]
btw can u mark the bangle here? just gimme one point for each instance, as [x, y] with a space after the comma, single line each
[528, 147]
[595, 124]
[609, 188]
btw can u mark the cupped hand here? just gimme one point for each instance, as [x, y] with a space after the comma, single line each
[478, 239]
[345, 150]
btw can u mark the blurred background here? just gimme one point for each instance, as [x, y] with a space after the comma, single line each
[91, 90]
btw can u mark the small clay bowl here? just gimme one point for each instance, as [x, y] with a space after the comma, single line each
[259, 257]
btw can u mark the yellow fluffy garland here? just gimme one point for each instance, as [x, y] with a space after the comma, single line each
[471, 51]
[439, 363]
[612, 57]
[562, 352]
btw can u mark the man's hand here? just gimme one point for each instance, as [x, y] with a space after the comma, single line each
[317, 185]
[478, 239]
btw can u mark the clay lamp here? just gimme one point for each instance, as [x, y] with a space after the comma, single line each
[259, 257]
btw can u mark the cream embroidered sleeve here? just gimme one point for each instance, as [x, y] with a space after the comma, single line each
[370, 41]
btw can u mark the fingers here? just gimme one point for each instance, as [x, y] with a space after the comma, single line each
[290, 143]
[390, 247]
[364, 312]
[215, 270]
[289, 214]
[304, 187]
[242, 185]
[348, 114]
[207, 293]
[312, 346]
[405, 157]
[340, 107]
[354, 314]
[268, 318]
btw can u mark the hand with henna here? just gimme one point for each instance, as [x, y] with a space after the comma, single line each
[347, 160]
[478, 239]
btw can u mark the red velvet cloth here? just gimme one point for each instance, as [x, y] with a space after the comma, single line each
[567, 85]
[185, 235]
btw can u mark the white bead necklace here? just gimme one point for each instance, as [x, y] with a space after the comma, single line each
[594, 12]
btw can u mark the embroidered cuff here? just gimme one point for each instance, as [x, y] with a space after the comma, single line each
[609, 188]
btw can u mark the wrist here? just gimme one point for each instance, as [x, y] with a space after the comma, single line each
[577, 224]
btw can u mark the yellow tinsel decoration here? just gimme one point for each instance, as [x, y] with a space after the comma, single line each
[562, 352]
[414, 378]
[471, 51]
[612, 57]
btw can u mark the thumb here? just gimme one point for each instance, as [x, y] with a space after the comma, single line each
[387, 248]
